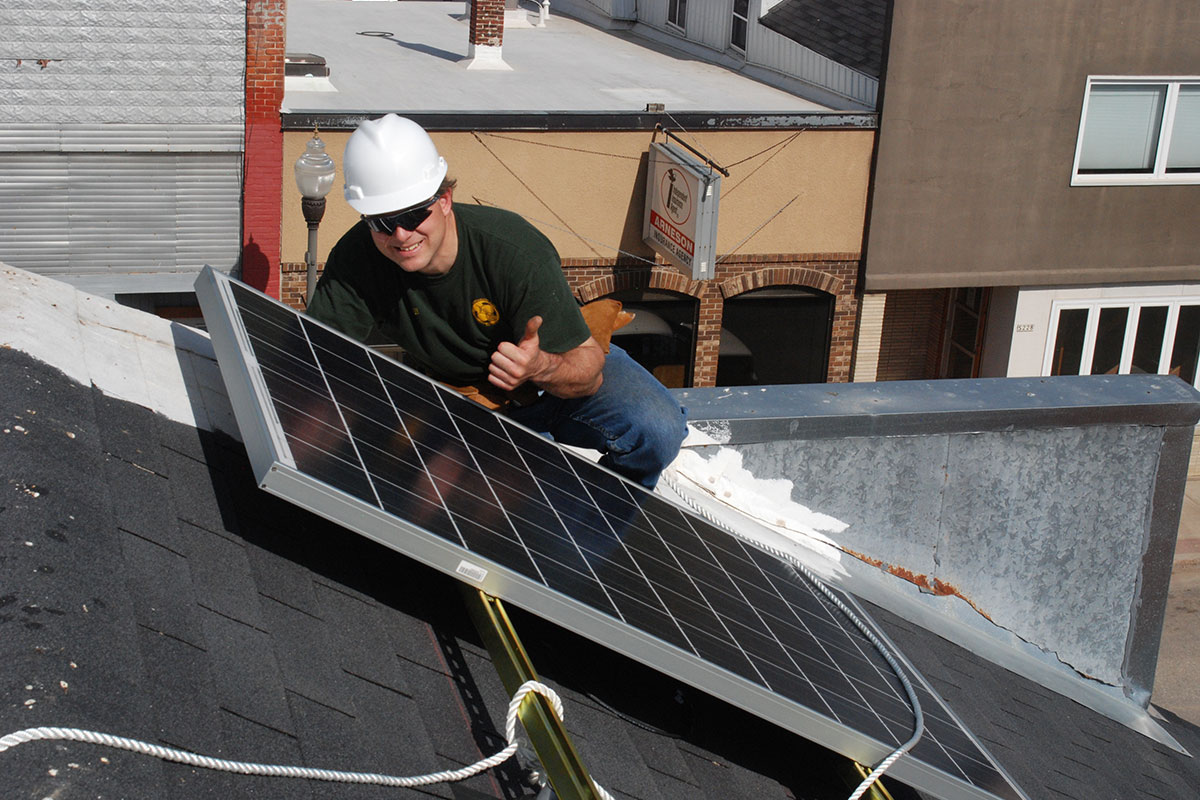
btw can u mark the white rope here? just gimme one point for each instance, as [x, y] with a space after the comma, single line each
[914, 702]
[310, 773]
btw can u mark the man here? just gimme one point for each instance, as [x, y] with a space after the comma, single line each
[476, 296]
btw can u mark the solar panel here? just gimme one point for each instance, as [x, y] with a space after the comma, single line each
[354, 436]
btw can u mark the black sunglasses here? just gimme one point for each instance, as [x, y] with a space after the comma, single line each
[407, 219]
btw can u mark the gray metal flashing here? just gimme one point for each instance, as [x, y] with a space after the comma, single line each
[951, 620]
[115, 283]
[741, 415]
[1148, 610]
[1003, 649]
[1012, 494]
[587, 120]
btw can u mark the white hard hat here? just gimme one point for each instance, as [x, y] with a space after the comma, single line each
[390, 164]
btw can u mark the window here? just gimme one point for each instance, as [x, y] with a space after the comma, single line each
[677, 13]
[737, 35]
[962, 345]
[775, 335]
[662, 335]
[1104, 337]
[1139, 131]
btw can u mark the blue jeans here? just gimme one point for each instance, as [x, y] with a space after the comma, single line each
[633, 420]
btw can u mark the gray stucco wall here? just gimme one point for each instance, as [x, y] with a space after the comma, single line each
[980, 114]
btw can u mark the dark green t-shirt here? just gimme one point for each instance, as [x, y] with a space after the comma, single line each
[505, 273]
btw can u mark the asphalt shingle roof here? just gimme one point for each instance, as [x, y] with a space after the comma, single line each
[851, 32]
[149, 589]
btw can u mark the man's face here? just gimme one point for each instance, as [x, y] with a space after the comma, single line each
[430, 248]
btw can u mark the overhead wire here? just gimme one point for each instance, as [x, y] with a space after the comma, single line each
[529, 189]
[779, 147]
[565, 227]
[698, 145]
[754, 232]
[483, 201]
[492, 135]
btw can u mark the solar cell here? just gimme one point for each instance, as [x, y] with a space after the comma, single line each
[358, 438]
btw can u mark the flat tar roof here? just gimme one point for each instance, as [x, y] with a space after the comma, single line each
[412, 56]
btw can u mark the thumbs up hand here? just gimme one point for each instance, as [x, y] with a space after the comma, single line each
[515, 363]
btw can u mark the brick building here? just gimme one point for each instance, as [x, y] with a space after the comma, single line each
[772, 313]
[782, 304]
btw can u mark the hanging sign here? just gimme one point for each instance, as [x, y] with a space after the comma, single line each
[680, 223]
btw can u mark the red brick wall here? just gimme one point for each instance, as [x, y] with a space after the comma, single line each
[262, 185]
[293, 283]
[834, 273]
[487, 22]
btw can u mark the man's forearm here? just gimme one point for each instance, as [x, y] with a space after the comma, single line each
[575, 373]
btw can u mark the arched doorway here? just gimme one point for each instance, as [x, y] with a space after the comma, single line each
[662, 336]
[775, 335]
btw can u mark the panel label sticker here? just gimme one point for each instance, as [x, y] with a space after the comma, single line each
[471, 571]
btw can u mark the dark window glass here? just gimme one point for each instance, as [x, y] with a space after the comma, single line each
[1147, 344]
[677, 12]
[1068, 341]
[773, 336]
[1187, 342]
[1110, 338]
[662, 336]
[965, 325]
[737, 36]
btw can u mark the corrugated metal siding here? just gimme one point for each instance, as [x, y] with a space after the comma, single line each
[88, 213]
[145, 138]
[708, 24]
[769, 49]
[122, 136]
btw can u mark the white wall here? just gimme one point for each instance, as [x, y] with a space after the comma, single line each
[1031, 320]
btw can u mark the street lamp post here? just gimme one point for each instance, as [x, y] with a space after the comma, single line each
[314, 179]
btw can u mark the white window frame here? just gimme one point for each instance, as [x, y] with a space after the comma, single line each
[680, 22]
[1173, 305]
[734, 17]
[1159, 176]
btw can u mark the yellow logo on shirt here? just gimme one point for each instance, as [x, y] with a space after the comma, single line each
[485, 312]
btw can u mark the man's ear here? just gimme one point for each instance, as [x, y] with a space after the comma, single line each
[446, 199]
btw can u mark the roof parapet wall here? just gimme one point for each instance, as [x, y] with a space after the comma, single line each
[1049, 505]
